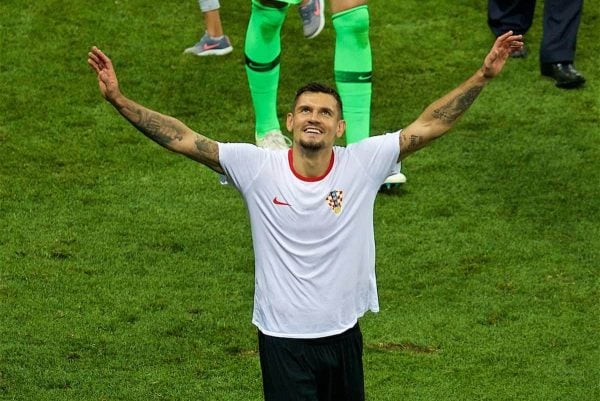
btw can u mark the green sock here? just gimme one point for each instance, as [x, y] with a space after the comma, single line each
[262, 48]
[353, 70]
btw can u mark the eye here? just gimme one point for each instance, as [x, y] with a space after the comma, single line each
[326, 113]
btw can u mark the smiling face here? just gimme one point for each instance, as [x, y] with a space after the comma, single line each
[316, 121]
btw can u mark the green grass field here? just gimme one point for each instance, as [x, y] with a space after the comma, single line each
[126, 272]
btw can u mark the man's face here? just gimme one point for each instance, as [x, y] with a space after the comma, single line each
[315, 121]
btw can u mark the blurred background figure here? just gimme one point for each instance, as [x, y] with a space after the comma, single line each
[213, 42]
[311, 14]
[352, 67]
[560, 24]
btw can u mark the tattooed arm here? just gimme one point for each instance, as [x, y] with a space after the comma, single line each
[441, 115]
[170, 133]
[164, 130]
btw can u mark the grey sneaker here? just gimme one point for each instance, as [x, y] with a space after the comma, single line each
[211, 47]
[313, 18]
[273, 140]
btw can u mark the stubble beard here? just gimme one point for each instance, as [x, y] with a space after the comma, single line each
[312, 147]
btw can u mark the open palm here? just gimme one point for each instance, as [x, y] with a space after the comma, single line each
[496, 58]
[107, 77]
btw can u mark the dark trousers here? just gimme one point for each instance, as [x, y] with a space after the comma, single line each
[321, 369]
[560, 24]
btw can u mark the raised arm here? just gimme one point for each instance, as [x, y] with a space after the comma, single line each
[164, 130]
[441, 115]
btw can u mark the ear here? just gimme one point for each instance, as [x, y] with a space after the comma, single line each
[289, 122]
[341, 128]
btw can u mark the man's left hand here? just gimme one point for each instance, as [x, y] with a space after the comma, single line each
[496, 58]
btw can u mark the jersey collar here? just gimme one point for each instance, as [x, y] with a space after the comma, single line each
[309, 179]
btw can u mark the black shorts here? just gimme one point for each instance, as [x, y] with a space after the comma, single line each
[320, 369]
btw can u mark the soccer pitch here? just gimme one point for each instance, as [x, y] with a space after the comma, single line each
[126, 272]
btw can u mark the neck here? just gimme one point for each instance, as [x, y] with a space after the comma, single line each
[311, 164]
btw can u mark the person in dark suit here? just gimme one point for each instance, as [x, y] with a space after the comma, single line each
[560, 24]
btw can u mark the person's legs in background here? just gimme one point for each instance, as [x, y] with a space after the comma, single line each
[511, 15]
[213, 42]
[353, 70]
[313, 19]
[262, 52]
[557, 49]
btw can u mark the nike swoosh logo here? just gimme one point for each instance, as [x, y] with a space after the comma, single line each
[208, 47]
[364, 77]
[280, 203]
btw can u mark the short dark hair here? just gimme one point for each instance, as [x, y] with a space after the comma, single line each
[317, 87]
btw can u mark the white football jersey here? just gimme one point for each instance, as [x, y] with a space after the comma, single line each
[313, 237]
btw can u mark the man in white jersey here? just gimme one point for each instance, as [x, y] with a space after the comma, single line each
[314, 279]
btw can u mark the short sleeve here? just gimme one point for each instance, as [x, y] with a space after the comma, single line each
[378, 154]
[242, 163]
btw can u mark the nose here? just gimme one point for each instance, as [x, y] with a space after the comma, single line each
[315, 116]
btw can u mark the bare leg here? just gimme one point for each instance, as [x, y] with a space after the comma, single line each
[212, 21]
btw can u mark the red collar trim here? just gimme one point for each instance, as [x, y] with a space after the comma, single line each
[309, 179]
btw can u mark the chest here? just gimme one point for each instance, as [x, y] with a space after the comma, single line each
[310, 211]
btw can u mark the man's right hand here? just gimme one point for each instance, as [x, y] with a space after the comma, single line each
[107, 78]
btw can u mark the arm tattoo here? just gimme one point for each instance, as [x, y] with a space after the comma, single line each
[410, 143]
[415, 142]
[160, 128]
[457, 106]
[156, 126]
[172, 134]
[208, 153]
